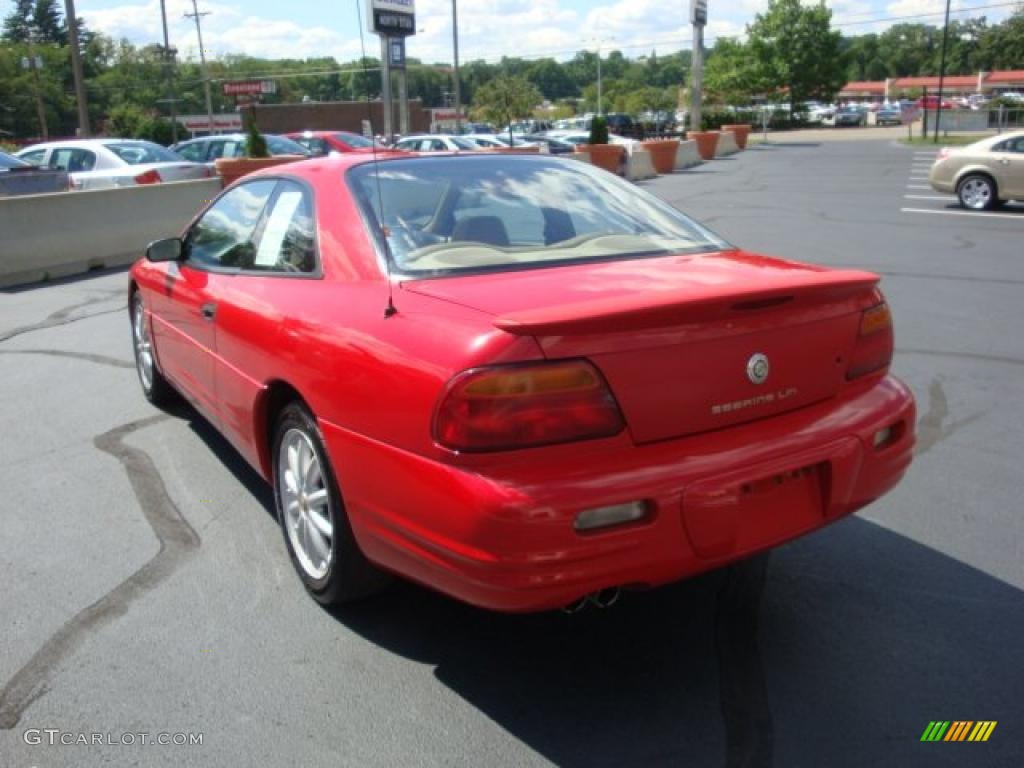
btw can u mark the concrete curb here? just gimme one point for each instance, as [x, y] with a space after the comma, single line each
[49, 236]
[687, 155]
[638, 163]
[726, 144]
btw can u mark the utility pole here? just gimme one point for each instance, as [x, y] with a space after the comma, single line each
[698, 17]
[76, 68]
[386, 104]
[455, 46]
[195, 16]
[169, 74]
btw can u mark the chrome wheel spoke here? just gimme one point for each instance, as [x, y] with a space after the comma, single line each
[305, 503]
[321, 524]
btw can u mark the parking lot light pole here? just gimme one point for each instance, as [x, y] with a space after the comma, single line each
[169, 73]
[942, 76]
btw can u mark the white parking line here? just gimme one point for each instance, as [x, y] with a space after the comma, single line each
[945, 198]
[918, 186]
[1018, 217]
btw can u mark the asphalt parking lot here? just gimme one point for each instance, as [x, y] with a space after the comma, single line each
[147, 588]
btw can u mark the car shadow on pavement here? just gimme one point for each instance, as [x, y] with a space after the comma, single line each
[835, 650]
[838, 654]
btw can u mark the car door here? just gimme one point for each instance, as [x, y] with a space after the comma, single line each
[1009, 166]
[216, 246]
[266, 301]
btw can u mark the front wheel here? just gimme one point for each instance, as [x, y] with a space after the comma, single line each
[154, 385]
[977, 193]
[310, 507]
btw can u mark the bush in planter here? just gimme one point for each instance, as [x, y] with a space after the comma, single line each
[598, 131]
[255, 143]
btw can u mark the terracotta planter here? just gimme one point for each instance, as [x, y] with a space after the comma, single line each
[663, 153]
[742, 130]
[230, 169]
[607, 156]
[707, 142]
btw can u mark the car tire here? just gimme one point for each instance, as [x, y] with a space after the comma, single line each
[154, 386]
[311, 510]
[977, 192]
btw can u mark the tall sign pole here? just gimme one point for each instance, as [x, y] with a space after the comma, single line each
[392, 21]
[698, 17]
[169, 73]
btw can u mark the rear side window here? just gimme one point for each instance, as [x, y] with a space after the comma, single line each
[72, 160]
[194, 152]
[224, 236]
[287, 243]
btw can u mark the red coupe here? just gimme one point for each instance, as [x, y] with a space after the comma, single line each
[321, 143]
[518, 380]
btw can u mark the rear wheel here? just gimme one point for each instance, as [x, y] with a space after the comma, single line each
[312, 512]
[977, 192]
[154, 385]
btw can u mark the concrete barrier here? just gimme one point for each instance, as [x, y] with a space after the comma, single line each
[48, 236]
[687, 155]
[726, 144]
[638, 163]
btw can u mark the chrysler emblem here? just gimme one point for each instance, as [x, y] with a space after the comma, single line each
[757, 368]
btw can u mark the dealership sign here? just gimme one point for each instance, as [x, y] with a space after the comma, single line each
[250, 87]
[392, 18]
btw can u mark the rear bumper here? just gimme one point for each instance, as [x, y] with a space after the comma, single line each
[500, 535]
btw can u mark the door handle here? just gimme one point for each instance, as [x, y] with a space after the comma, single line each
[209, 310]
[1004, 160]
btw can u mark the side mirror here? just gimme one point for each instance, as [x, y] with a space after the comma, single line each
[169, 249]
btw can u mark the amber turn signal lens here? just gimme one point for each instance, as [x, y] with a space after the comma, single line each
[523, 406]
[876, 319]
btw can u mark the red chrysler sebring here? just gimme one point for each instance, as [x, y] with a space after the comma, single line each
[518, 380]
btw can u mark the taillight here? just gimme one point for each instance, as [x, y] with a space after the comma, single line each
[521, 406]
[873, 351]
[148, 177]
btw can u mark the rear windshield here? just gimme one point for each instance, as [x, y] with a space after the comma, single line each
[354, 140]
[139, 152]
[445, 215]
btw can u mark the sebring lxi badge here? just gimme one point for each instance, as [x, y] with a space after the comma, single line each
[758, 368]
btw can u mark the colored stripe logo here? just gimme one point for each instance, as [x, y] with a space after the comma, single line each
[959, 730]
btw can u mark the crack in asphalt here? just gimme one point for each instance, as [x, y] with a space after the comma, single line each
[88, 357]
[932, 427]
[62, 317]
[178, 541]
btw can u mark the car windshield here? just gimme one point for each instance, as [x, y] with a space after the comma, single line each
[8, 161]
[354, 140]
[447, 215]
[139, 152]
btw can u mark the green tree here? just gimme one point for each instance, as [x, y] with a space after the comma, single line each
[505, 99]
[48, 23]
[732, 74]
[796, 49]
[18, 24]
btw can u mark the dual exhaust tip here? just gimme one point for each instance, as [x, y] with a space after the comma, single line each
[603, 598]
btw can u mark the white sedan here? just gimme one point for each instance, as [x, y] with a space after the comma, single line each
[106, 163]
[436, 142]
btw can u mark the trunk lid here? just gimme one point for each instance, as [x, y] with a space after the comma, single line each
[687, 343]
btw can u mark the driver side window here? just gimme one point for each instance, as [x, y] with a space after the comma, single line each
[223, 237]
